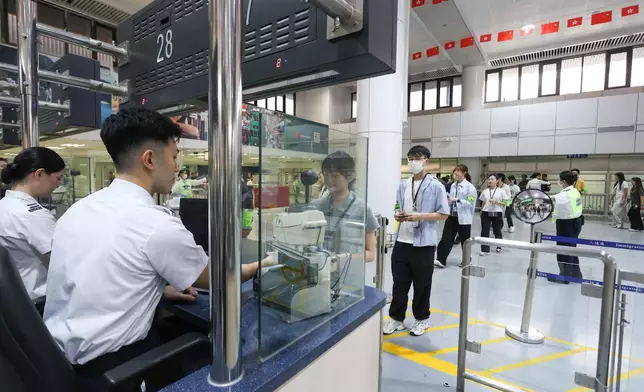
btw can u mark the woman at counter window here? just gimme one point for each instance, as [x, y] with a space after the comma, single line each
[341, 206]
[27, 228]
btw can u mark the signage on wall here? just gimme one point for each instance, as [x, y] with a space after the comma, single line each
[577, 156]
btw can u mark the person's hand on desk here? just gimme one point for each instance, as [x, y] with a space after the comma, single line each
[190, 295]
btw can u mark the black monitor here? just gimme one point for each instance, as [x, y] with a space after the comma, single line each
[194, 215]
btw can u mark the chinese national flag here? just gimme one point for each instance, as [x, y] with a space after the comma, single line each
[417, 3]
[438, 1]
[574, 22]
[467, 42]
[505, 36]
[527, 31]
[601, 17]
[549, 28]
[631, 10]
[431, 52]
[417, 56]
[486, 38]
[450, 45]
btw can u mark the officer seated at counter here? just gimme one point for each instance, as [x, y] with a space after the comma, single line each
[115, 253]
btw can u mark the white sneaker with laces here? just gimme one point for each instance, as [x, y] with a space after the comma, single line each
[438, 264]
[482, 254]
[390, 326]
[511, 229]
[419, 327]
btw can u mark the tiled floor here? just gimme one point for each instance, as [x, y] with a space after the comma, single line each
[569, 321]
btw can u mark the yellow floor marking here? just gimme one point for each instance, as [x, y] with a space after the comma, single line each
[455, 348]
[432, 329]
[625, 376]
[430, 361]
[530, 362]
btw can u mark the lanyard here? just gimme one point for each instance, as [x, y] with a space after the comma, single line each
[492, 194]
[415, 196]
[341, 217]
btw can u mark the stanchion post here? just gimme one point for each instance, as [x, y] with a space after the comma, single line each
[28, 71]
[381, 252]
[525, 333]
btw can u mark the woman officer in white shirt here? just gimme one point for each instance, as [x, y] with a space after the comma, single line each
[494, 202]
[26, 227]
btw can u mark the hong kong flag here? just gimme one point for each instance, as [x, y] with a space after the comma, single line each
[505, 36]
[486, 38]
[574, 22]
[417, 56]
[438, 1]
[526, 31]
[601, 17]
[549, 28]
[431, 52]
[417, 3]
[631, 10]
[450, 45]
[467, 42]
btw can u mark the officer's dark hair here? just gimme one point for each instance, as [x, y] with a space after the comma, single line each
[567, 176]
[342, 163]
[419, 152]
[524, 176]
[183, 171]
[638, 183]
[492, 175]
[576, 171]
[500, 176]
[535, 175]
[125, 132]
[512, 179]
[31, 160]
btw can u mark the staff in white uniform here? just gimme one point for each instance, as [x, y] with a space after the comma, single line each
[26, 227]
[494, 203]
[115, 253]
[536, 182]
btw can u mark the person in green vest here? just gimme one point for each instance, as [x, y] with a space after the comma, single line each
[183, 186]
[569, 220]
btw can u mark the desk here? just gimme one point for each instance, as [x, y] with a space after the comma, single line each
[329, 357]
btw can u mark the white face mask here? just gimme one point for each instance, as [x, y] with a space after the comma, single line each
[416, 166]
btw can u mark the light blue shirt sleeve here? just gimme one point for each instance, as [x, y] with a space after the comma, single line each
[470, 197]
[439, 196]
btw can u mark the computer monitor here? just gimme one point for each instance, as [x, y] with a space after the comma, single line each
[194, 215]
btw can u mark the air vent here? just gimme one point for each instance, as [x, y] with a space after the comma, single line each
[183, 8]
[571, 50]
[146, 24]
[434, 74]
[280, 34]
[174, 72]
[93, 9]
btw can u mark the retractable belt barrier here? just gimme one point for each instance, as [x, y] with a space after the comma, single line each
[599, 243]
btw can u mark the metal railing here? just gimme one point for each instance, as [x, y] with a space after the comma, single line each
[607, 293]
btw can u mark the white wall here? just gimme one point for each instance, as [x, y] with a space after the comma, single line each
[327, 105]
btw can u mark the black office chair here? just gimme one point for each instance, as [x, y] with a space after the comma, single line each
[31, 361]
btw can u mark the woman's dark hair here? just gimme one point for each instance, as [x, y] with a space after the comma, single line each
[568, 177]
[183, 171]
[512, 179]
[492, 175]
[500, 176]
[342, 163]
[620, 179]
[535, 175]
[465, 170]
[576, 171]
[638, 183]
[30, 160]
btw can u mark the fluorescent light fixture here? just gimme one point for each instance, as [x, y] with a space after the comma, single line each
[72, 145]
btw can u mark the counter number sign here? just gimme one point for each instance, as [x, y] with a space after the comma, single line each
[164, 40]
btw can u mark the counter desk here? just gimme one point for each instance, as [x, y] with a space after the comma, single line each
[342, 354]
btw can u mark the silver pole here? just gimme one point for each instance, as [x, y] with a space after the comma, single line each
[72, 81]
[606, 322]
[524, 333]
[27, 71]
[616, 321]
[379, 279]
[340, 9]
[7, 100]
[224, 144]
[622, 325]
[463, 316]
[80, 40]
[9, 125]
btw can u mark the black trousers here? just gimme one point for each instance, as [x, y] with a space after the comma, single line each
[508, 215]
[494, 221]
[411, 265]
[635, 217]
[451, 229]
[569, 265]
[162, 331]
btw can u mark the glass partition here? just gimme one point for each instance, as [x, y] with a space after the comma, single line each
[312, 221]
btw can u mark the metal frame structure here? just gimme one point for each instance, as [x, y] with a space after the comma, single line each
[599, 382]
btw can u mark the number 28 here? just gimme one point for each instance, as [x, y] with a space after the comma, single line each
[165, 45]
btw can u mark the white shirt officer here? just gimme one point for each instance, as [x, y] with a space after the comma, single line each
[26, 231]
[112, 254]
[491, 198]
[565, 205]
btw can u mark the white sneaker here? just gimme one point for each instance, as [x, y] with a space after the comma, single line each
[482, 254]
[498, 250]
[438, 264]
[390, 326]
[511, 229]
[419, 327]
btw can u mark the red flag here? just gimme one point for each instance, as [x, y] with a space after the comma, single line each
[431, 52]
[486, 38]
[417, 56]
[601, 17]
[549, 28]
[505, 36]
[450, 45]
[527, 30]
[438, 1]
[467, 42]
[417, 3]
[574, 22]
[631, 10]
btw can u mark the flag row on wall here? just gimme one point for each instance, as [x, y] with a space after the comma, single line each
[596, 18]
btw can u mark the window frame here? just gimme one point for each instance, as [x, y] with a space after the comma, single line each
[282, 96]
[487, 76]
[629, 67]
[423, 86]
[354, 98]
[542, 65]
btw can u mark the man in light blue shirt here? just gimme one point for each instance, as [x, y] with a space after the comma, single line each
[420, 203]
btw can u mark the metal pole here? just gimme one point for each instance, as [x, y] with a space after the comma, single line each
[616, 320]
[27, 71]
[224, 144]
[80, 40]
[7, 100]
[379, 279]
[463, 316]
[524, 333]
[9, 125]
[72, 81]
[606, 322]
[622, 325]
[340, 9]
